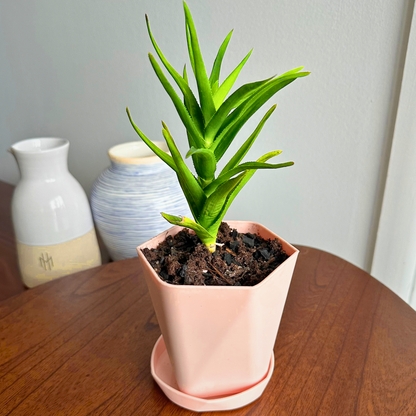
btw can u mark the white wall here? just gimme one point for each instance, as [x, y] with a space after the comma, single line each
[69, 69]
[394, 262]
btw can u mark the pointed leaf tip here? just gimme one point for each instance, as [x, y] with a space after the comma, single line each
[226, 86]
[185, 6]
[172, 218]
[216, 68]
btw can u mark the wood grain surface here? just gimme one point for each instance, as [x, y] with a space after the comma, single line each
[10, 281]
[81, 345]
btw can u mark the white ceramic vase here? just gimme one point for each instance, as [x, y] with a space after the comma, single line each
[128, 197]
[51, 214]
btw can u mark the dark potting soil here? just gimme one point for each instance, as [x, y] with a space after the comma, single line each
[241, 260]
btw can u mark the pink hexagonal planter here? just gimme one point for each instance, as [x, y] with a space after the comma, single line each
[220, 339]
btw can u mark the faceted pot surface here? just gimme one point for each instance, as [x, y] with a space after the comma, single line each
[220, 338]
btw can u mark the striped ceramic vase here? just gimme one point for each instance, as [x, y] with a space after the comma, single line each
[128, 197]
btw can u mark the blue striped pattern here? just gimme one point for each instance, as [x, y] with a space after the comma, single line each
[126, 202]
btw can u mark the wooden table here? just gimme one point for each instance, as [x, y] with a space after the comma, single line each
[81, 345]
[10, 282]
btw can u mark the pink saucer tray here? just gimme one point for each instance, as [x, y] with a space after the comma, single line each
[162, 373]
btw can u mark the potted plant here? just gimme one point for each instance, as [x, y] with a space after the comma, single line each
[219, 337]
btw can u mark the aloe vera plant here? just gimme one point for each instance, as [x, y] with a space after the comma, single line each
[211, 125]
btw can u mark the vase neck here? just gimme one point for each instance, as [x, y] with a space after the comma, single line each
[41, 159]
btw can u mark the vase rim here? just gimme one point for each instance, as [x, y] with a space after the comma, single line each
[39, 145]
[135, 153]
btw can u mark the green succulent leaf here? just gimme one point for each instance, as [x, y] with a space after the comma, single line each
[216, 68]
[163, 155]
[185, 101]
[204, 87]
[190, 51]
[214, 208]
[185, 75]
[236, 186]
[226, 86]
[198, 163]
[192, 190]
[274, 85]
[185, 98]
[241, 168]
[249, 173]
[292, 71]
[240, 115]
[192, 104]
[234, 100]
[238, 157]
[206, 163]
[197, 138]
[206, 238]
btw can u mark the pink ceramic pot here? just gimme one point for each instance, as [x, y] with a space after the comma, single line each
[220, 339]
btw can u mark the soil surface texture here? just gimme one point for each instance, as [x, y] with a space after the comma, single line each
[239, 260]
